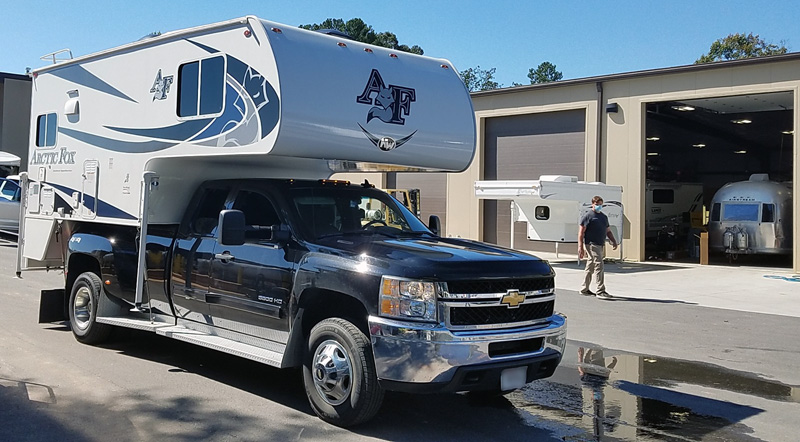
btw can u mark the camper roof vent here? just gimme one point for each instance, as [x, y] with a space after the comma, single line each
[336, 33]
[559, 178]
[150, 35]
[759, 177]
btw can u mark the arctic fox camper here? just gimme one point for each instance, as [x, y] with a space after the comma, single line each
[182, 183]
[554, 204]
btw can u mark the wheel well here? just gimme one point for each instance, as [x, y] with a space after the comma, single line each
[322, 304]
[80, 263]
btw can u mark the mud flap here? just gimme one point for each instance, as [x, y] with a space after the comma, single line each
[51, 306]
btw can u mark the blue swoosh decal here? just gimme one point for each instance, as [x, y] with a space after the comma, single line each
[78, 74]
[202, 46]
[178, 132]
[116, 145]
[103, 208]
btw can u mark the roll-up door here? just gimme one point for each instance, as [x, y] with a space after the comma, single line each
[433, 191]
[524, 147]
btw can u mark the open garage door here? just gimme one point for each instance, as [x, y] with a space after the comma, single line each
[694, 148]
[433, 193]
[524, 147]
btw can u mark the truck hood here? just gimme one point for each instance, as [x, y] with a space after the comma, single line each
[442, 257]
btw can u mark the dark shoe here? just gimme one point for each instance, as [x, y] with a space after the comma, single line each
[604, 295]
[587, 293]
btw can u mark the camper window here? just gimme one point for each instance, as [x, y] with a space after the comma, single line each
[663, 196]
[46, 128]
[715, 212]
[768, 213]
[740, 212]
[201, 86]
[542, 213]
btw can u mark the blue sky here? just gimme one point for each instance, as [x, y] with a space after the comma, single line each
[582, 38]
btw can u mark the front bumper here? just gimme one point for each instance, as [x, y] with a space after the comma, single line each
[430, 358]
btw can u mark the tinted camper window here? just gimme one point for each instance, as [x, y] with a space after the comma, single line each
[740, 212]
[663, 196]
[201, 86]
[46, 128]
[768, 213]
[187, 89]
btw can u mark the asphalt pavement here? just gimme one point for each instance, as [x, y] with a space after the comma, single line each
[681, 353]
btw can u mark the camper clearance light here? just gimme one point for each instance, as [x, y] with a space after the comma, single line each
[699, 146]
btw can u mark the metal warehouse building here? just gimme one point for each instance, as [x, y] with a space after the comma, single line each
[704, 125]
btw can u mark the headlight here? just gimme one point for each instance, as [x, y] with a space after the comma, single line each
[407, 299]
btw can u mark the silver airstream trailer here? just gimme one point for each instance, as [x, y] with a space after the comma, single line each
[753, 216]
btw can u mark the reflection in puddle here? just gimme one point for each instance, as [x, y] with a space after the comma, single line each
[598, 394]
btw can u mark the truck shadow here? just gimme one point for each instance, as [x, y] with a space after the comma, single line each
[403, 417]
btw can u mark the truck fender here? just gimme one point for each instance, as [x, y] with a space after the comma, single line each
[323, 288]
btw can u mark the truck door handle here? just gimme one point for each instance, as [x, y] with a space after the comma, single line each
[226, 256]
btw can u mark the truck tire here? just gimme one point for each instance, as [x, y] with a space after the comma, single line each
[83, 302]
[339, 373]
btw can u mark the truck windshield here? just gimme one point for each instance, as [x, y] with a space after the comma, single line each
[353, 210]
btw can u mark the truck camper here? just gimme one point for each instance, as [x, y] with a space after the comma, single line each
[182, 183]
[751, 217]
[554, 204]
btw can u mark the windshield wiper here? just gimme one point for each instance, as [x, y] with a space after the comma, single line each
[358, 233]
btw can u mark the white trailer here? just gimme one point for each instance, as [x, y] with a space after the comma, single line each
[554, 204]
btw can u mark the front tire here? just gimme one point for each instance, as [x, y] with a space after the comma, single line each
[339, 374]
[83, 302]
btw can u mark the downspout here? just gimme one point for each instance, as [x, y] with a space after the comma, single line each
[599, 141]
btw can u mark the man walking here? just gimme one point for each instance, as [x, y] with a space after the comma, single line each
[592, 233]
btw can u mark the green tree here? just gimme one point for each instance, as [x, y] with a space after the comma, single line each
[737, 46]
[360, 31]
[477, 79]
[544, 73]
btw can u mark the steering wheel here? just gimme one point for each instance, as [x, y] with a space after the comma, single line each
[374, 221]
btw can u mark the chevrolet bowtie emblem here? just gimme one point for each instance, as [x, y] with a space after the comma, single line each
[512, 299]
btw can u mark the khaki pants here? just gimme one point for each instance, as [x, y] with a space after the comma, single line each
[594, 265]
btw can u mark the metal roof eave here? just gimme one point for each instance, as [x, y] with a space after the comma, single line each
[645, 73]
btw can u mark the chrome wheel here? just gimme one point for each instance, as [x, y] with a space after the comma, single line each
[332, 372]
[82, 308]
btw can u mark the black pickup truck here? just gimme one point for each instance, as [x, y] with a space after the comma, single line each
[336, 278]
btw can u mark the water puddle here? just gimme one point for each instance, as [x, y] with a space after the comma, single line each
[600, 394]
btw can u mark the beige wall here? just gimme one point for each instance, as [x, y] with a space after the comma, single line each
[623, 134]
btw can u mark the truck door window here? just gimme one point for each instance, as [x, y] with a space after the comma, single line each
[201, 86]
[259, 215]
[207, 215]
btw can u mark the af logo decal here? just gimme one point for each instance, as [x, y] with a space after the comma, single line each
[160, 86]
[390, 104]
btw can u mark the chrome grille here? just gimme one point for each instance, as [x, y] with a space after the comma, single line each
[460, 316]
[476, 304]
